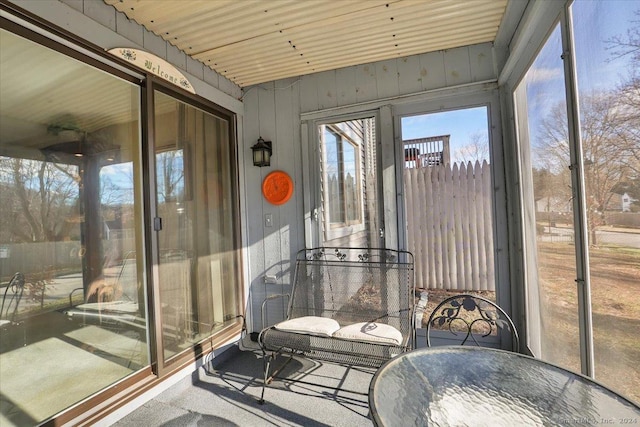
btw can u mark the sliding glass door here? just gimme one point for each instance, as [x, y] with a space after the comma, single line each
[196, 223]
[73, 318]
[119, 255]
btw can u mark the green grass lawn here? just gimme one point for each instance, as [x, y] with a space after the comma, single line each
[615, 291]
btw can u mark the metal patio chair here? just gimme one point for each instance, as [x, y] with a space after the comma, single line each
[11, 299]
[471, 319]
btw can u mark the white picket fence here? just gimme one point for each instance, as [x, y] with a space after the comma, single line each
[449, 226]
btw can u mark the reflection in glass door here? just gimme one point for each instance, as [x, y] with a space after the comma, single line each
[198, 259]
[350, 210]
[72, 289]
[550, 248]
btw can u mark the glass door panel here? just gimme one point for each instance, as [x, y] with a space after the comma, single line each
[198, 280]
[551, 293]
[448, 203]
[72, 287]
[350, 212]
[606, 38]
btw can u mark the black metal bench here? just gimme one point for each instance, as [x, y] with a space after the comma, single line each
[351, 306]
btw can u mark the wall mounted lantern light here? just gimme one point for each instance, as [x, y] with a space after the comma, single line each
[262, 153]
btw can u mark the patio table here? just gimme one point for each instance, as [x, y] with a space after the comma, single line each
[475, 386]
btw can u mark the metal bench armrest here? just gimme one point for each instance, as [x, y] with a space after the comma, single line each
[267, 299]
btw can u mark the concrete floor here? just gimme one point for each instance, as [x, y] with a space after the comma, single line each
[227, 395]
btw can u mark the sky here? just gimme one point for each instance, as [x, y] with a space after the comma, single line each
[596, 23]
[462, 125]
[120, 183]
[598, 70]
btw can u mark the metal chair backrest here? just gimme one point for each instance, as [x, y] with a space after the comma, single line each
[11, 298]
[470, 319]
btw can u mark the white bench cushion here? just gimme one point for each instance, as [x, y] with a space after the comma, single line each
[370, 332]
[310, 325]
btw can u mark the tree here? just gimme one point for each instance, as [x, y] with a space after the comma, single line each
[44, 194]
[170, 169]
[476, 151]
[621, 46]
[547, 185]
[606, 144]
[627, 44]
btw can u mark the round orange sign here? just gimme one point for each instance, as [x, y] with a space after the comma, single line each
[277, 187]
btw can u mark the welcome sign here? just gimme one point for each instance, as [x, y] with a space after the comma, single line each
[154, 65]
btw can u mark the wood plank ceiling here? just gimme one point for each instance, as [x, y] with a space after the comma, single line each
[255, 41]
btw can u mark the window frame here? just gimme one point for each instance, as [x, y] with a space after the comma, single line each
[489, 98]
[527, 49]
[165, 367]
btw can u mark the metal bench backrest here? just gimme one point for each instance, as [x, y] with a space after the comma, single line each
[354, 285]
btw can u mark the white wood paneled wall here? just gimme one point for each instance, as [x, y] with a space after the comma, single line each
[397, 77]
[273, 110]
